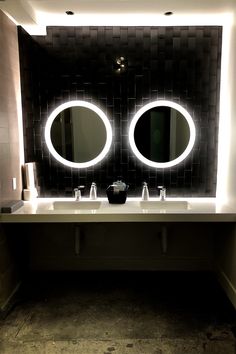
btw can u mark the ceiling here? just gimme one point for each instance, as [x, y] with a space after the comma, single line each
[36, 15]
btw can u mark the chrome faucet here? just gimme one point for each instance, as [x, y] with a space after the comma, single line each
[93, 191]
[162, 193]
[77, 192]
[145, 192]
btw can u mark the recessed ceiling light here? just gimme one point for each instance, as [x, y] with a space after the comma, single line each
[168, 13]
[70, 12]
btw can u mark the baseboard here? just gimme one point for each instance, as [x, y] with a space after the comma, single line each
[9, 303]
[227, 286]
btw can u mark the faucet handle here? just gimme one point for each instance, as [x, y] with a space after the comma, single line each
[80, 188]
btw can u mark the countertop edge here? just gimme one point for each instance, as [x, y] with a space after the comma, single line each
[41, 211]
[70, 218]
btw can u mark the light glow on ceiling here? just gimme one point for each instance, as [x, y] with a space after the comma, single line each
[128, 19]
[44, 19]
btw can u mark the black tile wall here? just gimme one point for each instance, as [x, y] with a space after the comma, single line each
[181, 64]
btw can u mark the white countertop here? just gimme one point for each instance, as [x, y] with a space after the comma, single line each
[199, 210]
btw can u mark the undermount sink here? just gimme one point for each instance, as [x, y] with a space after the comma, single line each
[151, 204]
[73, 204]
[164, 204]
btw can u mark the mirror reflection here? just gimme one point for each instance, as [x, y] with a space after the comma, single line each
[78, 134]
[161, 134]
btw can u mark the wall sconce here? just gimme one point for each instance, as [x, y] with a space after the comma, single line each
[120, 64]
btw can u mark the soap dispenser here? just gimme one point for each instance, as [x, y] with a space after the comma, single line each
[93, 191]
[145, 192]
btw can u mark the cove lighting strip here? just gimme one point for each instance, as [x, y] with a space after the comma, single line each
[225, 112]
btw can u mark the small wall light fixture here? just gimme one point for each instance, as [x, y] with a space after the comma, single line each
[120, 64]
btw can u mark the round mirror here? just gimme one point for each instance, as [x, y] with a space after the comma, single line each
[78, 134]
[162, 134]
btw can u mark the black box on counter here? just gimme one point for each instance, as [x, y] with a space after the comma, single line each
[116, 196]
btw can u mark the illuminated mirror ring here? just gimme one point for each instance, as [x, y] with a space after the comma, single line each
[187, 150]
[95, 109]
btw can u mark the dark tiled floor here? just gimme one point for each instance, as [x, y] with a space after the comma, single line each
[120, 313]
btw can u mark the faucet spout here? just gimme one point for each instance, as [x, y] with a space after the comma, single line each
[145, 192]
[93, 191]
[162, 193]
[77, 192]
